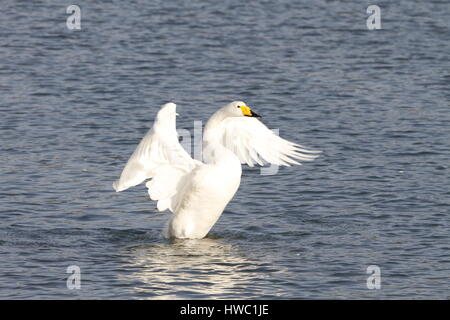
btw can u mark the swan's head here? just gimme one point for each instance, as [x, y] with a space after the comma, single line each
[239, 109]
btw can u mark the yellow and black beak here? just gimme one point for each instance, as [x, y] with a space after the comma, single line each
[246, 111]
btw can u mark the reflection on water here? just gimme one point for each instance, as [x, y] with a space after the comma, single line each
[197, 268]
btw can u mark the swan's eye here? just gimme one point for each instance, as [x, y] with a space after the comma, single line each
[238, 106]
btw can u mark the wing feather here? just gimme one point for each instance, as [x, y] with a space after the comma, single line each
[253, 142]
[160, 157]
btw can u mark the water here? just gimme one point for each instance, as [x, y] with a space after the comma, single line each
[74, 104]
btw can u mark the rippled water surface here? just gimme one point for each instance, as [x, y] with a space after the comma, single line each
[74, 104]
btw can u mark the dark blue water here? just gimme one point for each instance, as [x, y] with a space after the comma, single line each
[74, 104]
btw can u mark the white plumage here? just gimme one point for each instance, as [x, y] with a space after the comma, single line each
[197, 192]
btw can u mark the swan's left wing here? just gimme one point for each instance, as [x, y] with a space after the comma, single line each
[253, 142]
[160, 157]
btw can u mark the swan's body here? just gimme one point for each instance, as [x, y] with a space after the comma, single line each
[198, 192]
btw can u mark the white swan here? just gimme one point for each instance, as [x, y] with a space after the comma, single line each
[198, 192]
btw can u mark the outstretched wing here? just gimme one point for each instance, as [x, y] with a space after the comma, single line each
[158, 156]
[254, 143]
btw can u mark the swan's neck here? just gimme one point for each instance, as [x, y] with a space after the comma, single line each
[213, 130]
[213, 149]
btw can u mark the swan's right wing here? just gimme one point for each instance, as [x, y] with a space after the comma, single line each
[160, 157]
[252, 142]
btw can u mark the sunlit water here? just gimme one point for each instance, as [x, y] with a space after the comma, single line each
[74, 104]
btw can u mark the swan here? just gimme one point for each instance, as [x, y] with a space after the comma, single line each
[197, 192]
